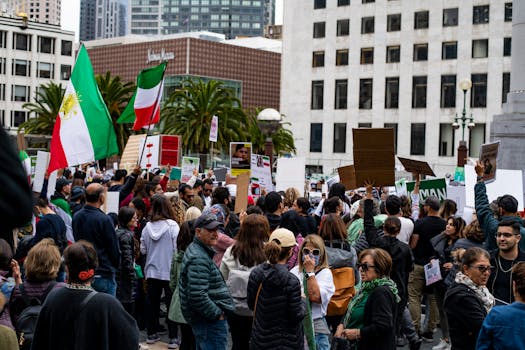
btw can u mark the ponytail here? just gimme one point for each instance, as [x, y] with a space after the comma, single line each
[275, 253]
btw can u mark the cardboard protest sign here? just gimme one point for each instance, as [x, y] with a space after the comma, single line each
[240, 158]
[241, 195]
[290, 173]
[435, 187]
[130, 156]
[374, 153]
[505, 182]
[188, 165]
[416, 166]
[261, 173]
[488, 154]
[347, 176]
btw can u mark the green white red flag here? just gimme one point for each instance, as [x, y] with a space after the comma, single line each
[144, 107]
[83, 129]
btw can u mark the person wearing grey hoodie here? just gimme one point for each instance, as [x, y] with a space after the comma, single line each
[158, 243]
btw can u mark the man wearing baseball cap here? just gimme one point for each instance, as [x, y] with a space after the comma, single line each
[62, 191]
[507, 211]
[204, 297]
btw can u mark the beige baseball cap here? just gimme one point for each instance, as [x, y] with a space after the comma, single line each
[285, 238]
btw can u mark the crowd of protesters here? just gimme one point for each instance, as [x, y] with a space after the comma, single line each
[279, 275]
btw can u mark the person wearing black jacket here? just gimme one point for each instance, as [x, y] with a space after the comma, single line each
[124, 188]
[402, 259]
[126, 277]
[274, 295]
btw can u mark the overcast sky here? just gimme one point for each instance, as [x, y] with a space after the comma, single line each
[70, 17]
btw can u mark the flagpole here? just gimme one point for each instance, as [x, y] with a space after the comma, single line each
[153, 114]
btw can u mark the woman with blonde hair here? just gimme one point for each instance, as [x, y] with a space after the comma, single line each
[318, 285]
[290, 196]
[192, 213]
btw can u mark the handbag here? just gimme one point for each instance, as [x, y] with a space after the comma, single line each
[343, 344]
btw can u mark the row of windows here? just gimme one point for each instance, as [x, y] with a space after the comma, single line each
[449, 51]
[44, 70]
[17, 117]
[44, 44]
[478, 92]
[393, 23]
[417, 138]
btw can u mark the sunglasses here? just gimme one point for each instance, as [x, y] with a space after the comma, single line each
[314, 252]
[365, 267]
[482, 268]
[505, 234]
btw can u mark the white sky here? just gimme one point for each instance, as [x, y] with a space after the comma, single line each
[70, 16]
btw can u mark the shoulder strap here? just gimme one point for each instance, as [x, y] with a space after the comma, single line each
[42, 298]
[49, 288]
[86, 300]
[256, 300]
[23, 293]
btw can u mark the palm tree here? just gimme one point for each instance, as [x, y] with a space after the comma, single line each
[188, 113]
[45, 108]
[116, 95]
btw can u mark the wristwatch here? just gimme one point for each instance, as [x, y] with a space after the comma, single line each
[310, 274]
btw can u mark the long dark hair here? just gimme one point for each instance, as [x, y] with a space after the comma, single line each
[333, 228]
[338, 190]
[161, 208]
[249, 244]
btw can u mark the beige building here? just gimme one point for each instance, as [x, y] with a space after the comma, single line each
[45, 11]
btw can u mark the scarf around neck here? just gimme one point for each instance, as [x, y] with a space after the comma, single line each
[365, 290]
[482, 292]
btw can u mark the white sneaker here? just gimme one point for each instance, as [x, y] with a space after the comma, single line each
[443, 345]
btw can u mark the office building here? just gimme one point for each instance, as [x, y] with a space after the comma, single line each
[101, 19]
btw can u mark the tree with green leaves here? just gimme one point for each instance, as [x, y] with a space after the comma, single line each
[189, 110]
[116, 95]
[44, 109]
[282, 138]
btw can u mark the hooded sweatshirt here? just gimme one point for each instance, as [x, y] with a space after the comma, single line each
[158, 243]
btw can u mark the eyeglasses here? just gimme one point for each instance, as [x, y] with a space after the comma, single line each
[505, 234]
[364, 266]
[482, 268]
[314, 252]
[206, 190]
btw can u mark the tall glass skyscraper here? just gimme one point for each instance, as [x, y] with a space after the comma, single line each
[229, 17]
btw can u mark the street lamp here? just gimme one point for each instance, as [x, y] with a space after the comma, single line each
[463, 121]
[269, 120]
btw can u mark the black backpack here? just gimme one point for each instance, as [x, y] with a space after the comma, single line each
[26, 323]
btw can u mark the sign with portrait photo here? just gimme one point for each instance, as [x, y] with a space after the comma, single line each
[240, 157]
[488, 154]
[188, 165]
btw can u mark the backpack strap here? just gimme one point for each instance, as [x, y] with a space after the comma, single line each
[86, 300]
[41, 300]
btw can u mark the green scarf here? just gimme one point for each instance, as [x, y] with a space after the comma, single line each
[308, 324]
[365, 290]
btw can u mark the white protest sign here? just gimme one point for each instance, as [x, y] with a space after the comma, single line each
[506, 182]
[42, 160]
[290, 173]
[51, 183]
[188, 165]
[457, 194]
[214, 128]
[112, 202]
[261, 172]
[150, 154]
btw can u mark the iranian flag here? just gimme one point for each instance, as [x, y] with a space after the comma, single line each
[144, 107]
[83, 129]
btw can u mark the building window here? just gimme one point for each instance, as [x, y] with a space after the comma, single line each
[21, 42]
[367, 55]
[478, 94]
[319, 29]
[318, 59]
[3, 39]
[393, 126]
[341, 57]
[341, 93]
[420, 52]
[421, 20]
[46, 45]
[339, 137]
[449, 50]
[393, 54]
[21, 68]
[365, 94]
[2, 65]
[343, 2]
[17, 118]
[66, 49]
[446, 140]
[505, 87]
[476, 139]
[393, 23]
[450, 17]
[417, 139]
[316, 137]
[392, 92]
[419, 92]
[2, 92]
[507, 43]
[343, 27]
[367, 25]
[65, 71]
[20, 93]
[319, 4]
[480, 14]
[448, 91]
[317, 94]
[508, 12]
[480, 48]
[364, 125]
[367, 1]
[46, 70]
